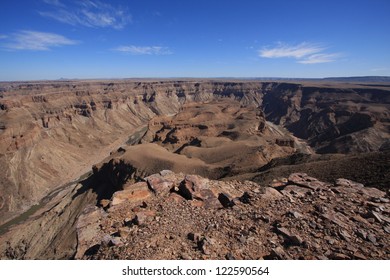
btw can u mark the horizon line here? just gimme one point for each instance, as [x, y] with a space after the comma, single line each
[195, 77]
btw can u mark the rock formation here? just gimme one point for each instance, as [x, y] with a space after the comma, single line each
[178, 216]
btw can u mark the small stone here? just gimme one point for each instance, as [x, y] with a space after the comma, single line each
[205, 250]
[313, 244]
[142, 217]
[345, 235]
[185, 256]
[295, 214]
[116, 241]
[245, 198]
[124, 232]
[205, 245]
[279, 254]
[230, 256]
[104, 203]
[225, 200]
[321, 208]
[312, 224]
[194, 237]
[330, 240]
[174, 197]
[106, 239]
[278, 183]
[294, 239]
[376, 216]
[166, 172]
[242, 239]
[362, 234]
[339, 256]
[265, 218]
[359, 256]
[371, 238]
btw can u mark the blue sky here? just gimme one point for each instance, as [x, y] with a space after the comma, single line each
[52, 39]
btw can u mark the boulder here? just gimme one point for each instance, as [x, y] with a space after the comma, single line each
[133, 194]
[158, 185]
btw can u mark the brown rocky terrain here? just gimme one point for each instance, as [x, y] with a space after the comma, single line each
[51, 133]
[177, 216]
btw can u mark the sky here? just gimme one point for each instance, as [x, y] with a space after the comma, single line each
[87, 39]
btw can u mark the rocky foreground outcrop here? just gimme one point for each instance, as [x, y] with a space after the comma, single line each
[178, 216]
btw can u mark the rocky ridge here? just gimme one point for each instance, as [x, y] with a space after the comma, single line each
[179, 216]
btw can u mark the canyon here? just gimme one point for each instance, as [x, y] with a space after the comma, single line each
[78, 160]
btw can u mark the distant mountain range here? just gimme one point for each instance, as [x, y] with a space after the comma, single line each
[362, 79]
[356, 79]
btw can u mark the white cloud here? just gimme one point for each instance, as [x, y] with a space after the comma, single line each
[283, 50]
[304, 53]
[38, 41]
[319, 58]
[2, 36]
[143, 50]
[88, 13]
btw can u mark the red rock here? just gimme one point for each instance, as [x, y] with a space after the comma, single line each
[294, 239]
[196, 188]
[176, 198]
[303, 180]
[88, 230]
[373, 192]
[339, 256]
[197, 203]
[133, 194]
[295, 191]
[270, 193]
[276, 183]
[359, 256]
[142, 217]
[134, 186]
[279, 254]
[104, 203]
[158, 184]
[348, 183]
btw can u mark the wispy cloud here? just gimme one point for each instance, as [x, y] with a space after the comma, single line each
[143, 50]
[2, 36]
[304, 53]
[319, 58]
[37, 41]
[87, 13]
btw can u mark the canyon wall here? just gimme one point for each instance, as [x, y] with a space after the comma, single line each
[53, 132]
